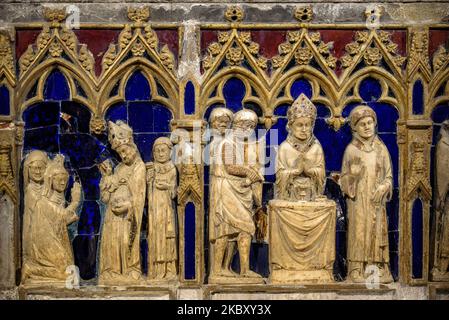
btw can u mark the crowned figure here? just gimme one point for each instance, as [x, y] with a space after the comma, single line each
[123, 191]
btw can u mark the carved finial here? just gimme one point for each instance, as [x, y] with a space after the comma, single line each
[139, 15]
[234, 14]
[97, 125]
[304, 14]
[336, 122]
[54, 15]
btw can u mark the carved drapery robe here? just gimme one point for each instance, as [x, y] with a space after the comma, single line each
[161, 215]
[51, 251]
[442, 176]
[234, 206]
[33, 193]
[290, 151]
[367, 222]
[120, 240]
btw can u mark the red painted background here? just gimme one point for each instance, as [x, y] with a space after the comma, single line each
[97, 41]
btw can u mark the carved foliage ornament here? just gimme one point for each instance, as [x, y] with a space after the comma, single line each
[418, 168]
[304, 14]
[6, 57]
[419, 50]
[141, 38]
[56, 39]
[303, 50]
[372, 55]
[234, 14]
[440, 58]
[235, 54]
[7, 180]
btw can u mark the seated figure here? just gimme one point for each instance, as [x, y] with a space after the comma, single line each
[302, 220]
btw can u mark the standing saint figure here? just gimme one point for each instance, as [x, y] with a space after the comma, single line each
[238, 187]
[366, 180]
[220, 121]
[161, 180]
[441, 263]
[50, 251]
[33, 179]
[300, 169]
[123, 192]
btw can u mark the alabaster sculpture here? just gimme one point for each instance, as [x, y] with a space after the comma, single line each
[123, 191]
[33, 182]
[302, 220]
[440, 270]
[47, 247]
[366, 180]
[220, 122]
[162, 226]
[238, 189]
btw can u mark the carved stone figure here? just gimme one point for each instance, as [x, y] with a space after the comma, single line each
[441, 265]
[123, 191]
[33, 179]
[238, 186]
[302, 220]
[366, 180]
[220, 122]
[162, 226]
[300, 170]
[50, 251]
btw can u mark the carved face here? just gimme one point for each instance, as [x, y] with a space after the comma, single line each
[59, 182]
[127, 153]
[366, 127]
[221, 124]
[301, 128]
[36, 171]
[161, 153]
[244, 128]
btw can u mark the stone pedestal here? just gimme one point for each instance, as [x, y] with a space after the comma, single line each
[302, 241]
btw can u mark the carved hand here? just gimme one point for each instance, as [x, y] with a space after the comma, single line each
[379, 194]
[162, 185]
[76, 192]
[105, 168]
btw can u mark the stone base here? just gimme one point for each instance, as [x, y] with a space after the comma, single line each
[235, 280]
[331, 291]
[439, 277]
[439, 291]
[101, 292]
[300, 277]
[336, 291]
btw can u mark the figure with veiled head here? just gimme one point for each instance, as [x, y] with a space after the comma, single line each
[33, 178]
[50, 251]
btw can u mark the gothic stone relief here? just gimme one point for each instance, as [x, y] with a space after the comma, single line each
[162, 225]
[366, 179]
[302, 220]
[237, 182]
[123, 191]
[440, 271]
[47, 247]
